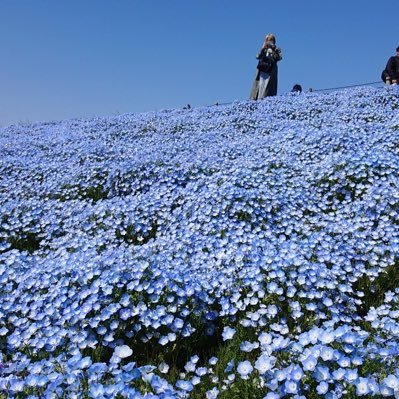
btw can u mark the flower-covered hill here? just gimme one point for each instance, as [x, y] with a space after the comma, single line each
[248, 250]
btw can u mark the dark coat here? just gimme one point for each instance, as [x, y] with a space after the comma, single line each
[271, 88]
[392, 69]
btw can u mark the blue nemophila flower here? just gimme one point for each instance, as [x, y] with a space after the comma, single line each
[96, 390]
[163, 368]
[322, 388]
[386, 391]
[247, 346]
[195, 380]
[190, 366]
[244, 369]
[194, 359]
[326, 337]
[322, 373]
[344, 361]
[201, 371]
[16, 385]
[272, 395]
[391, 381]
[290, 387]
[296, 373]
[373, 386]
[228, 333]
[123, 351]
[339, 374]
[184, 385]
[265, 363]
[160, 385]
[229, 366]
[163, 340]
[213, 360]
[212, 394]
[362, 386]
[326, 353]
[265, 338]
[309, 363]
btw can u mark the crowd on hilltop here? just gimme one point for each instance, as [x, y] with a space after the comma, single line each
[266, 78]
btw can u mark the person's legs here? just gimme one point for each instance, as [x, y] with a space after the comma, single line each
[262, 86]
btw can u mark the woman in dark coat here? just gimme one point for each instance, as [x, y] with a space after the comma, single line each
[265, 83]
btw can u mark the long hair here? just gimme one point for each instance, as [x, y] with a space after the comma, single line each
[270, 38]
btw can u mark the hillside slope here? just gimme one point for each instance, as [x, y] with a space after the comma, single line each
[247, 250]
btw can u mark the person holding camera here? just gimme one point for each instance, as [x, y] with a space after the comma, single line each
[265, 83]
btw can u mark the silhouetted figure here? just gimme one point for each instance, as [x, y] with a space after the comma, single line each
[297, 88]
[390, 75]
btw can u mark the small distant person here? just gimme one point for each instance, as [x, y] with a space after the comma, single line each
[390, 75]
[296, 88]
[265, 83]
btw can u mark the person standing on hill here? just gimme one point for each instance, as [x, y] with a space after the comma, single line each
[391, 72]
[265, 83]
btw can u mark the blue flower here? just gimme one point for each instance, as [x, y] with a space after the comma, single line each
[290, 387]
[163, 368]
[309, 363]
[322, 388]
[190, 366]
[184, 385]
[351, 375]
[160, 385]
[228, 333]
[327, 353]
[213, 360]
[391, 381]
[339, 374]
[16, 385]
[212, 394]
[247, 346]
[362, 386]
[265, 363]
[272, 395]
[244, 369]
[322, 373]
[96, 390]
[296, 373]
[123, 351]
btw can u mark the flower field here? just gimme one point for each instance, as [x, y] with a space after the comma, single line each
[248, 251]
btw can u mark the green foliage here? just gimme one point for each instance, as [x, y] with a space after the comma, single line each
[28, 241]
[374, 291]
[94, 193]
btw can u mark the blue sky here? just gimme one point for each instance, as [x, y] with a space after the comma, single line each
[84, 58]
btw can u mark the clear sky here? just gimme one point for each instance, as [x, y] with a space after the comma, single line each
[80, 58]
